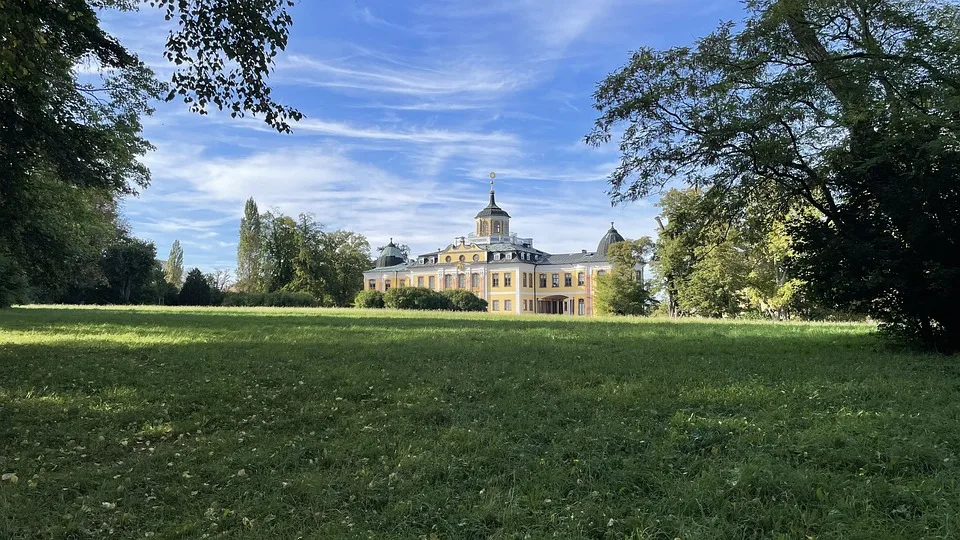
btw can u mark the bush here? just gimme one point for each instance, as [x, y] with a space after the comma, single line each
[274, 299]
[369, 300]
[416, 298]
[462, 300]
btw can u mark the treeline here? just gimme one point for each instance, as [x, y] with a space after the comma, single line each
[715, 256]
[276, 253]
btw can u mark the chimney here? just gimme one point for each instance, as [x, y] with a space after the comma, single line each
[583, 251]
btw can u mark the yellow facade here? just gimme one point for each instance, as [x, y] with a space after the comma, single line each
[502, 268]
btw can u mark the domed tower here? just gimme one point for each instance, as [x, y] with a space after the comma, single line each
[493, 220]
[390, 256]
[609, 239]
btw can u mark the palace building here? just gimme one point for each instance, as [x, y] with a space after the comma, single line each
[504, 269]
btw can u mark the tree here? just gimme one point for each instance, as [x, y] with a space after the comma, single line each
[346, 253]
[195, 290]
[250, 253]
[219, 280]
[67, 139]
[850, 107]
[128, 266]
[280, 248]
[620, 292]
[173, 268]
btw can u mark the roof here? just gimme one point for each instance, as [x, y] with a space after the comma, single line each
[612, 237]
[492, 209]
[390, 256]
[574, 258]
[395, 268]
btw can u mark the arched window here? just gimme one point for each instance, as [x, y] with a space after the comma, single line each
[476, 258]
[463, 258]
[483, 228]
[448, 259]
[496, 227]
[461, 281]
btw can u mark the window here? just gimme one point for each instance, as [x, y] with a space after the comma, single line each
[568, 280]
[386, 284]
[483, 228]
[580, 307]
[496, 280]
[461, 281]
[524, 280]
[580, 278]
[496, 305]
[507, 305]
[496, 256]
[507, 279]
[372, 285]
[496, 227]
[475, 280]
[403, 283]
[555, 280]
[448, 259]
[432, 282]
[601, 272]
[463, 258]
[476, 258]
[419, 281]
[543, 281]
[447, 281]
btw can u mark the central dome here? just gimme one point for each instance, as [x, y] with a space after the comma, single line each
[492, 209]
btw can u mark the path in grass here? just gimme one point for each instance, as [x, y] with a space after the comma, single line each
[327, 424]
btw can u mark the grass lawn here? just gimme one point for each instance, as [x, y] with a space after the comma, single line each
[178, 423]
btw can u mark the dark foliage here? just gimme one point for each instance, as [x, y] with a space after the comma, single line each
[196, 290]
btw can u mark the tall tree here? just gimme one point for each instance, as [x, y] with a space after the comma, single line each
[79, 135]
[173, 268]
[852, 107]
[280, 248]
[128, 265]
[347, 253]
[250, 249]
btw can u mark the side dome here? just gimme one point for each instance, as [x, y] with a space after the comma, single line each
[609, 239]
[390, 256]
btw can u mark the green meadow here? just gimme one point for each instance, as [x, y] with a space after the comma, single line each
[284, 423]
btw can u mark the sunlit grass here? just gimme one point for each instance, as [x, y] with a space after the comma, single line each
[282, 423]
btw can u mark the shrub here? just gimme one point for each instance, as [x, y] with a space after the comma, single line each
[416, 298]
[274, 299]
[462, 300]
[369, 300]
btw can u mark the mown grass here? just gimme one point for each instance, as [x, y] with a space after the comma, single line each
[177, 423]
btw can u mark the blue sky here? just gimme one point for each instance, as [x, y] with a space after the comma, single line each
[409, 106]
